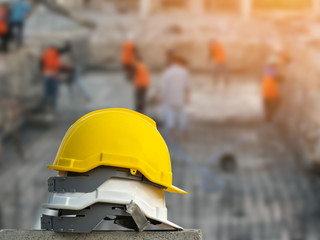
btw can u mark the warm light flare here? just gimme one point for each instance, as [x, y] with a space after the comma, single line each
[282, 4]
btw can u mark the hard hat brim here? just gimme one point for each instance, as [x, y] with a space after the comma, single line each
[174, 189]
[171, 189]
[168, 224]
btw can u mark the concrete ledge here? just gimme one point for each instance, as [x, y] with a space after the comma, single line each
[101, 235]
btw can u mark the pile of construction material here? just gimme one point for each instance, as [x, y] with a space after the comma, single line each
[21, 89]
[246, 47]
[46, 27]
[301, 103]
[20, 76]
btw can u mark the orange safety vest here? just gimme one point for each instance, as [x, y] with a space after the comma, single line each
[218, 53]
[3, 21]
[270, 89]
[128, 53]
[142, 77]
[51, 61]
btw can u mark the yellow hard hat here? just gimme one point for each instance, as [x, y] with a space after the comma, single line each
[119, 138]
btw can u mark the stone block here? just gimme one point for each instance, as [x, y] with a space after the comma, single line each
[101, 235]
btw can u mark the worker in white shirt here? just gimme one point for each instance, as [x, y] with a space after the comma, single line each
[175, 96]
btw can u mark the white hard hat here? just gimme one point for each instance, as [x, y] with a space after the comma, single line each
[150, 199]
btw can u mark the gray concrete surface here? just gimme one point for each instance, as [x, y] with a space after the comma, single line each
[101, 235]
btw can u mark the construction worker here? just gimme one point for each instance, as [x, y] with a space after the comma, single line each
[113, 165]
[19, 11]
[270, 89]
[4, 28]
[128, 58]
[141, 83]
[219, 60]
[51, 66]
[175, 96]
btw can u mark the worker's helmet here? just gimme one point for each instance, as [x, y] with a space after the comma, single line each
[119, 138]
[113, 159]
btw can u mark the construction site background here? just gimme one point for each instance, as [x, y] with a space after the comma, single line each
[272, 193]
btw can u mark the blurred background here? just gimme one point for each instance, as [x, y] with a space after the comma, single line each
[232, 84]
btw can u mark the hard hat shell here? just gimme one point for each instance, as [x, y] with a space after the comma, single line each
[119, 138]
[150, 199]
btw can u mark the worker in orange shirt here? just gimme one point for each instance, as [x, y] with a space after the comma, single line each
[51, 66]
[219, 61]
[141, 82]
[270, 89]
[4, 28]
[128, 58]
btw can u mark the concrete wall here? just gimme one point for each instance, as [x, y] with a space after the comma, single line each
[301, 103]
[19, 73]
[196, 51]
[21, 88]
[72, 4]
